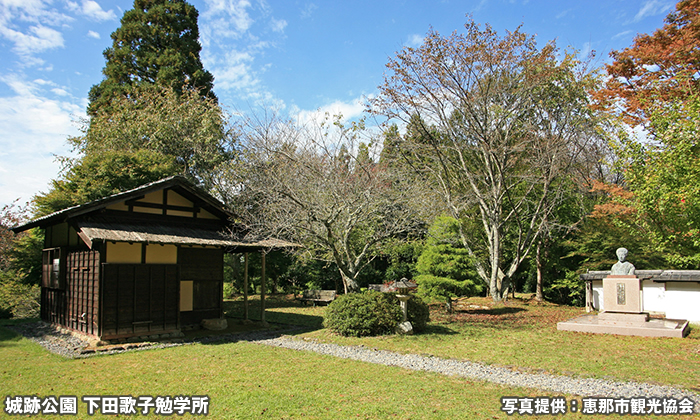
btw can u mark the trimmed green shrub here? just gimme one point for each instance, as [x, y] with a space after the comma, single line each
[418, 313]
[363, 314]
[443, 256]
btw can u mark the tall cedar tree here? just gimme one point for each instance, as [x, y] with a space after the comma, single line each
[157, 45]
[656, 68]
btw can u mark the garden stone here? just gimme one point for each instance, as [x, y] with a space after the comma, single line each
[215, 324]
[404, 328]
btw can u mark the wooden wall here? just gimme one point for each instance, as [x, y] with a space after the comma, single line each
[117, 299]
[61, 235]
[75, 304]
[139, 299]
[166, 202]
[204, 267]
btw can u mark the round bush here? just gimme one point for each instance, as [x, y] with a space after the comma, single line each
[418, 313]
[363, 314]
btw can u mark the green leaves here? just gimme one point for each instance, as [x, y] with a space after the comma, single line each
[184, 126]
[103, 173]
[663, 176]
[363, 314]
[445, 267]
[157, 45]
[148, 136]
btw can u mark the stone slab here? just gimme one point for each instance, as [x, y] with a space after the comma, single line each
[652, 328]
[622, 319]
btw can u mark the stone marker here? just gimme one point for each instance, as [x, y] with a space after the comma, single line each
[215, 324]
[623, 309]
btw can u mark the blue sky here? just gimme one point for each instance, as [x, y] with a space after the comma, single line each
[298, 56]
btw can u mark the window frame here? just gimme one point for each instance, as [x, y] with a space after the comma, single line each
[53, 275]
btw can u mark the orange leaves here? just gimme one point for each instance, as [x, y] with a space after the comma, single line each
[619, 203]
[612, 190]
[662, 66]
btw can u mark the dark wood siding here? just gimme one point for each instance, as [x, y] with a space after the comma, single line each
[83, 291]
[205, 268]
[75, 304]
[139, 299]
[53, 306]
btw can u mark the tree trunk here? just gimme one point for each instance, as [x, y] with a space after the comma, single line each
[539, 296]
[349, 284]
[505, 287]
[495, 280]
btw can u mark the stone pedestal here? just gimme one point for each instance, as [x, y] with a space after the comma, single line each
[620, 319]
[403, 299]
[404, 328]
[622, 305]
[622, 294]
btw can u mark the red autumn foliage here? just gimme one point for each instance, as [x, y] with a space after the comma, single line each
[659, 67]
[617, 205]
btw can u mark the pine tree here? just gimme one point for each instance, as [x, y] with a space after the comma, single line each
[156, 46]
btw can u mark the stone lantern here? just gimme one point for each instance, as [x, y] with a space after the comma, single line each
[403, 286]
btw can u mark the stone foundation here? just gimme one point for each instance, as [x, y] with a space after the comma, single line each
[652, 328]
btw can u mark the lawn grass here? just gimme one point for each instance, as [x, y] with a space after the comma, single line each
[523, 334]
[283, 309]
[248, 381]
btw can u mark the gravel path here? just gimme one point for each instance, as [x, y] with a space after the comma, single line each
[500, 375]
[68, 345]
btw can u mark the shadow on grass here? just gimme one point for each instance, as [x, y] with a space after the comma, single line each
[278, 310]
[7, 335]
[503, 310]
[437, 330]
[8, 338]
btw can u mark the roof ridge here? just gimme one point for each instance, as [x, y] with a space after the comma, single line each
[105, 201]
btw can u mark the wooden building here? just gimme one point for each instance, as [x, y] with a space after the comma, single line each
[145, 262]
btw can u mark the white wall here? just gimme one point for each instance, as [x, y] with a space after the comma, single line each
[683, 301]
[654, 297]
[598, 295]
[675, 300]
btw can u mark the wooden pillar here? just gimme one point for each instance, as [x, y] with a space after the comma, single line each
[589, 296]
[245, 288]
[262, 289]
